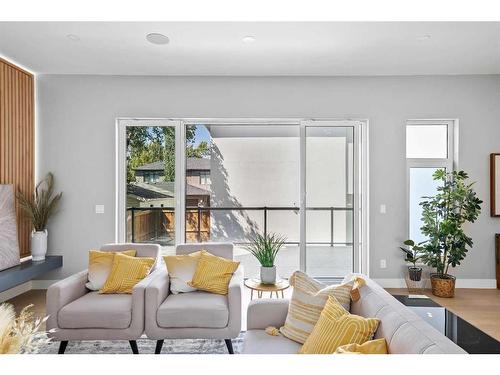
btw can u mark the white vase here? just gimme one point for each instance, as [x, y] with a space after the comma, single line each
[39, 245]
[268, 275]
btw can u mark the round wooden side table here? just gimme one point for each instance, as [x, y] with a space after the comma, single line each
[256, 284]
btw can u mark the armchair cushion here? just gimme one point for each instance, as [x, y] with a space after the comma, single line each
[126, 272]
[100, 263]
[94, 310]
[259, 342]
[213, 273]
[181, 269]
[194, 310]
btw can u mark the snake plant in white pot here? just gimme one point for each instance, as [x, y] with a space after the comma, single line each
[265, 249]
[39, 208]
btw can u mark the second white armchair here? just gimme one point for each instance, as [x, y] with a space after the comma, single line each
[198, 314]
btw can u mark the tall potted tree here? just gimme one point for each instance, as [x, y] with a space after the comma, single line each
[444, 216]
[40, 207]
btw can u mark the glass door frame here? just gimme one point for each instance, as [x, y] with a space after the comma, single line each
[360, 186]
[360, 190]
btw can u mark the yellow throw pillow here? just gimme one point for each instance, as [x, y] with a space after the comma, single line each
[125, 273]
[378, 346]
[100, 263]
[181, 269]
[308, 299]
[332, 331]
[213, 273]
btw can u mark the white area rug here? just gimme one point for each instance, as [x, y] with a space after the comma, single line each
[146, 346]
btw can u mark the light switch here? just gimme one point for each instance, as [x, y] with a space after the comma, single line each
[383, 209]
[383, 263]
[99, 208]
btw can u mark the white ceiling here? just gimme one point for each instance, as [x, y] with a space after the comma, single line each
[202, 48]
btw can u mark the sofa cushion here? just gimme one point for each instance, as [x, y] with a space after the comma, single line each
[308, 299]
[94, 310]
[194, 310]
[259, 342]
[335, 329]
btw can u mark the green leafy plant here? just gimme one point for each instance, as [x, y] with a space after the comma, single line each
[414, 252]
[42, 204]
[444, 216]
[265, 248]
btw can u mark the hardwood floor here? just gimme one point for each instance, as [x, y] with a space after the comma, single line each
[480, 307]
[35, 297]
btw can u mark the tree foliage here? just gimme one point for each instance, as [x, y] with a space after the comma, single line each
[157, 143]
[443, 216]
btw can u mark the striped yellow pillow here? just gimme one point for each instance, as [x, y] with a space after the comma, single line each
[213, 273]
[100, 263]
[125, 273]
[333, 331]
[308, 299]
[378, 346]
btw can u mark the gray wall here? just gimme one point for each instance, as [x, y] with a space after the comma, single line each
[76, 119]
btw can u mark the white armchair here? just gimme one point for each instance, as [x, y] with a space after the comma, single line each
[77, 313]
[198, 314]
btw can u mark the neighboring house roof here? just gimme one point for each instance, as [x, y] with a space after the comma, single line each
[145, 192]
[159, 190]
[194, 190]
[199, 164]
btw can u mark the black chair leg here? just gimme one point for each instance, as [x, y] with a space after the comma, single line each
[229, 345]
[62, 347]
[133, 346]
[159, 345]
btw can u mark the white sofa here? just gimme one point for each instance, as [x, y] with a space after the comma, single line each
[404, 331]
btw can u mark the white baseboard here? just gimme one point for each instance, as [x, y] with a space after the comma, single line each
[477, 283]
[15, 291]
[461, 283]
[42, 284]
[390, 283]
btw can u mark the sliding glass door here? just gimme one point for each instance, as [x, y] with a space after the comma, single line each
[198, 181]
[240, 181]
[329, 199]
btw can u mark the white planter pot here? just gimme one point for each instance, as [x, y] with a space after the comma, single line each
[39, 245]
[268, 275]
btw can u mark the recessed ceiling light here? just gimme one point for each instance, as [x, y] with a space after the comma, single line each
[73, 37]
[248, 39]
[424, 37]
[157, 38]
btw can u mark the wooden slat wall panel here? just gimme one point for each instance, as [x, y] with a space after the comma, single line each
[17, 145]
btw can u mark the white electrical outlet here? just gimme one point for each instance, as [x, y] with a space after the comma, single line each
[99, 208]
[383, 209]
[383, 263]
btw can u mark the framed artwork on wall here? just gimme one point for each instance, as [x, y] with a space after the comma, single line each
[9, 246]
[495, 184]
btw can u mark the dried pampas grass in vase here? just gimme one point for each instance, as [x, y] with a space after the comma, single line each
[21, 335]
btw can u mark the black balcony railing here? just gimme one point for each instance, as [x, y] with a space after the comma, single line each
[161, 222]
